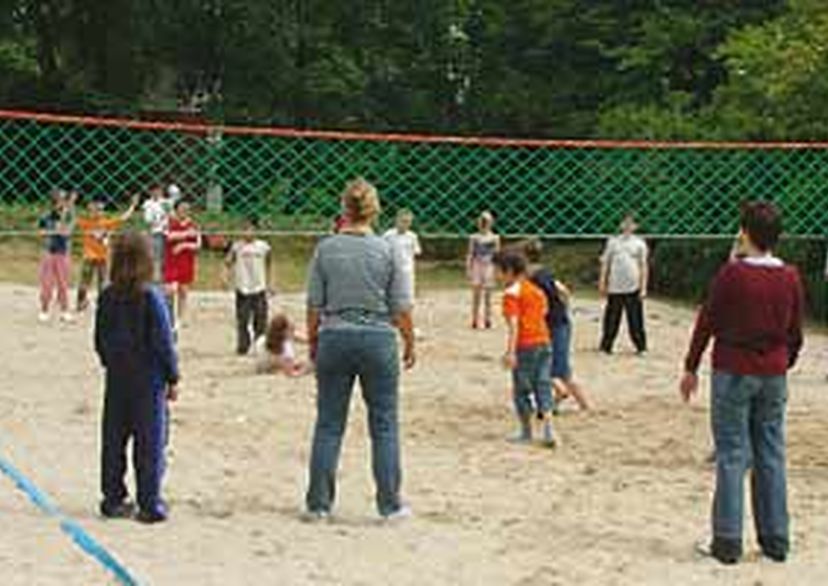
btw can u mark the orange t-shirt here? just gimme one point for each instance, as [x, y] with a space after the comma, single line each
[527, 302]
[96, 236]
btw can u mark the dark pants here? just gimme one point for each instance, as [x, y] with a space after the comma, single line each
[631, 304]
[369, 354]
[91, 270]
[250, 310]
[136, 411]
[748, 419]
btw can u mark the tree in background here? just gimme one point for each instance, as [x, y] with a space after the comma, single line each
[550, 68]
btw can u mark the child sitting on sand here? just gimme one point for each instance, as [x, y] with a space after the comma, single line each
[528, 352]
[275, 352]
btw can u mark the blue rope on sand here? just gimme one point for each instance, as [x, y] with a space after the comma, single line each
[83, 540]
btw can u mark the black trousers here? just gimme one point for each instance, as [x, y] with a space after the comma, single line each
[631, 304]
[250, 310]
[134, 408]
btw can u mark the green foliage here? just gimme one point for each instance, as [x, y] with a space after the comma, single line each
[671, 277]
[688, 69]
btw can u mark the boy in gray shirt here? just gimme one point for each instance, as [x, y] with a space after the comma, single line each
[624, 276]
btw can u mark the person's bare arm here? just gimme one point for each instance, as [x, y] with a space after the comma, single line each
[645, 273]
[510, 357]
[271, 284]
[227, 266]
[131, 209]
[563, 292]
[603, 279]
[405, 324]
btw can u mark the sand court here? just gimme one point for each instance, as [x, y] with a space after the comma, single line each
[621, 502]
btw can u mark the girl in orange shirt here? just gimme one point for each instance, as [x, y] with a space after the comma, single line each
[97, 229]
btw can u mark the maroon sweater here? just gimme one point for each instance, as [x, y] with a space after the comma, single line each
[754, 312]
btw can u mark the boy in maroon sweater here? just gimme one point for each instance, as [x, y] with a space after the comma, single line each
[754, 312]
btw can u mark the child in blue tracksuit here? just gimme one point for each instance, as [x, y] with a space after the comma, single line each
[134, 340]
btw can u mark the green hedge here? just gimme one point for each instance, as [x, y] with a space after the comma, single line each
[683, 269]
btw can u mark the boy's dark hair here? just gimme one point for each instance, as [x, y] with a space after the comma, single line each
[510, 262]
[762, 222]
[533, 249]
[131, 265]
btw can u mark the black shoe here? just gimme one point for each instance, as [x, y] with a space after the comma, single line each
[727, 551]
[774, 548]
[121, 510]
[157, 515]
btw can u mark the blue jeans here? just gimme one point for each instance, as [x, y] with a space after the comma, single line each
[532, 379]
[371, 355]
[748, 417]
[561, 342]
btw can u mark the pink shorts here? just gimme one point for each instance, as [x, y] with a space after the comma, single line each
[482, 274]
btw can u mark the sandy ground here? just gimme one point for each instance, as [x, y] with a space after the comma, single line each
[622, 502]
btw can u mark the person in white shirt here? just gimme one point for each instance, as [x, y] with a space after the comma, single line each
[407, 244]
[156, 216]
[249, 260]
[623, 282]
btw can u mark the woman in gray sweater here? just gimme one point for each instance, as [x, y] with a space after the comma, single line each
[358, 296]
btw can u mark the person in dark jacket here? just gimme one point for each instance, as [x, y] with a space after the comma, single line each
[754, 312]
[559, 323]
[134, 340]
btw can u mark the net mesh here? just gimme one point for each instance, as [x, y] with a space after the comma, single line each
[289, 181]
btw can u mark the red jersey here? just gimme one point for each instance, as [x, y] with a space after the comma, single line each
[179, 265]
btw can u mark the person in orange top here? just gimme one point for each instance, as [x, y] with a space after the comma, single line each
[96, 229]
[528, 353]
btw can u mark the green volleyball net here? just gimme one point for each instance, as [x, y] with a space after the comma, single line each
[289, 181]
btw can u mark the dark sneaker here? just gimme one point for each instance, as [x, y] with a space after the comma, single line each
[157, 515]
[121, 510]
[725, 551]
[774, 548]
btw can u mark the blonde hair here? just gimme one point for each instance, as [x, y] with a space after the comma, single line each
[485, 219]
[361, 201]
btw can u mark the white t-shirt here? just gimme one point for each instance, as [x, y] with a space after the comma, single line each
[624, 256]
[156, 215]
[250, 266]
[265, 361]
[407, 244]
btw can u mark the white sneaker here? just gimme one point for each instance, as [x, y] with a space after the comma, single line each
[67, 317]
[43, 317]
[402, 514]
[314, 517]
